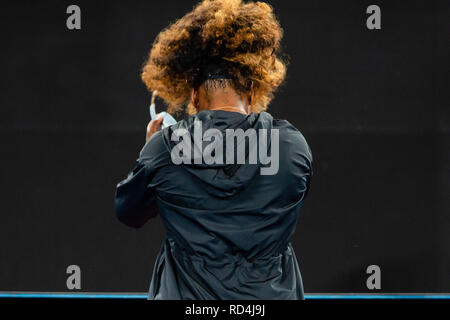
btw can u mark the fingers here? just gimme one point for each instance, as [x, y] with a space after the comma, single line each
[154, 126]
[159, 118]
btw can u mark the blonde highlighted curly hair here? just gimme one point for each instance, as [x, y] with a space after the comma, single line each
[241, 38]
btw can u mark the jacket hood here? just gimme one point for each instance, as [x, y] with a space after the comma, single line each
[221, 179]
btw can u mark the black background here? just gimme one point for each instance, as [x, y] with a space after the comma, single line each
[373, 105]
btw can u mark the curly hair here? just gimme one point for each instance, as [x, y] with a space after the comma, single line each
[241, 39]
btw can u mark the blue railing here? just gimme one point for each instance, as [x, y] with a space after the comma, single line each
[48, 295]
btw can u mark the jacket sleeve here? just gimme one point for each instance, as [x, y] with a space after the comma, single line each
[134, 201]
[300, 163]
[135, 197]
[303, 161]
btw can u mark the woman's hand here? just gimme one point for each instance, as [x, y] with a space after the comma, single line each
[153, 126]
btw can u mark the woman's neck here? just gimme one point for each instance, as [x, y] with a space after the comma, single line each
[225, 100]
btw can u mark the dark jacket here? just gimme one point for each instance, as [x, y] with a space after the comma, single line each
[228, 227]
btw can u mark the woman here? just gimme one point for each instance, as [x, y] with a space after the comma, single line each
[228, 223]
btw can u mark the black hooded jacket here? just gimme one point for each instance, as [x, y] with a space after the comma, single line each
[228, 226]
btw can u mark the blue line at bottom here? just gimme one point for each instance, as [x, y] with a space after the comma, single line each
[144, 296]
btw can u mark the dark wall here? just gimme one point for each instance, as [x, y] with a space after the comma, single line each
[373, 105]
